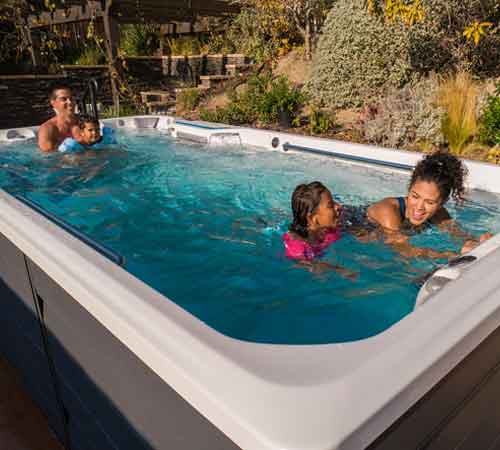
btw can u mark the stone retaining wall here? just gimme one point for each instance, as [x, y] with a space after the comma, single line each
[25, 97]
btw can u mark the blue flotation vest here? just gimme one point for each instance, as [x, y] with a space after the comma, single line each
[70, 145]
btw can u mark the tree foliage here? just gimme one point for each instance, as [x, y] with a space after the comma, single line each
[288, 17]
[368, 47]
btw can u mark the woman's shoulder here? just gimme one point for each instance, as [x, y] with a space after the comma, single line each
[386, 213]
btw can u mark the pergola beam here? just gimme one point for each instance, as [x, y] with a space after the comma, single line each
[133, 11]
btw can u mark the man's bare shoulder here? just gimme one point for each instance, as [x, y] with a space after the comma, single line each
[48, 136]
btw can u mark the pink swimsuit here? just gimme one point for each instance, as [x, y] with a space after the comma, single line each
[299, 249]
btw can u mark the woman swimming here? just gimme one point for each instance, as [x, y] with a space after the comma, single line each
[435, 178]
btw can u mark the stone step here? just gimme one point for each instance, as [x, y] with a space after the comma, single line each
[160, 107]
[156, 96]
[209, 81]
[235, 69]
[181, 90]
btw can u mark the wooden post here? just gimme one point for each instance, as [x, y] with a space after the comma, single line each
[112, 32]
[34, 47]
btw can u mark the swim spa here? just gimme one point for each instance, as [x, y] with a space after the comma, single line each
[117, 365]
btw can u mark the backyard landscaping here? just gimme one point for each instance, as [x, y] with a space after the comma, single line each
[420, 75]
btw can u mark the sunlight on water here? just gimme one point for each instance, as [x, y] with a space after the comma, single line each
[203, 225]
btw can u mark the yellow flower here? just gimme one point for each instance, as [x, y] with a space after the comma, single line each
[476, 30]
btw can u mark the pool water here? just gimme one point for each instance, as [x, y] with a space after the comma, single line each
[204, 225]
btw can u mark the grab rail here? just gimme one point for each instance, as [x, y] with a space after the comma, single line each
[102, 249]
[90, 93]
[287, 146]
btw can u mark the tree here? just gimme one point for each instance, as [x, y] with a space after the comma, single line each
[308, 16]
[286, 16]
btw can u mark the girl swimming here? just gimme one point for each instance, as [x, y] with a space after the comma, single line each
[315, 226]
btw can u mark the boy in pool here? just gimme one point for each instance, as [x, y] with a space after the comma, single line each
[315, 226]
[89, 131]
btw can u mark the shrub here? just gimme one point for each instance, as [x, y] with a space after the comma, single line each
[360, 54]
[124, 110]
[188, 99]
[139, 39]
[248, 34]
[356, 55]
[278, 95]
[91, 56]
[407, 116]
[493, 155]
[489, 132]
[458, 96]
[185, 45]
[261, 101]
[320, 122]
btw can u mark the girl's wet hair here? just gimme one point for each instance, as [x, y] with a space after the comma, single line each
[444, 169]
[305, 200]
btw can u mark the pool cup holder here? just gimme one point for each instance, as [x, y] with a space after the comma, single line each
[442, 276]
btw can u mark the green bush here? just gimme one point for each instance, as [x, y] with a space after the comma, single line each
[489, 131]
[261, 100]
[185, 45]
[405, 116]
[360, 55]
[91, 56]
[357, 54]
[139, 39]
[188, 99]
[247, 35]
[124, 110]
[279, 95]
[320, 122]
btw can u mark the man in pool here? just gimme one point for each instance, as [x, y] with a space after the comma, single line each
[65, 122]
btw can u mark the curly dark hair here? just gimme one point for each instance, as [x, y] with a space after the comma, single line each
[444, 169]
[305, 200]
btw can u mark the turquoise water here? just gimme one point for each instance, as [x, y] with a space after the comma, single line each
[203, 226]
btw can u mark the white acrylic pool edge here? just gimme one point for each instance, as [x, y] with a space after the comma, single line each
[267, 396]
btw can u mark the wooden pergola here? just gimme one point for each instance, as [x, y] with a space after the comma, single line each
[116, 12]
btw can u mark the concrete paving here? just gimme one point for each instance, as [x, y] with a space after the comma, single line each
[22, 424]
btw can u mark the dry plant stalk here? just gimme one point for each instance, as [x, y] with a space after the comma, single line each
[458, 96]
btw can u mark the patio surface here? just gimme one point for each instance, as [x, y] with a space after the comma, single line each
[22, 424]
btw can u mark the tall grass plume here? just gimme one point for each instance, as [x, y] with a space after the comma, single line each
[458, 95]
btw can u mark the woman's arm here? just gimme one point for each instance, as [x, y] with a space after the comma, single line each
[455, 230]
[401, 244]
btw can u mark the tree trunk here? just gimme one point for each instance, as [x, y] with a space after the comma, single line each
[308, 40]
[112, 37]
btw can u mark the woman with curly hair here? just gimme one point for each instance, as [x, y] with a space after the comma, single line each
[435, 179]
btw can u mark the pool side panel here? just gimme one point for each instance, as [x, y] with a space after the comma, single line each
[20, 337]
[112, 399]
[460, 412]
